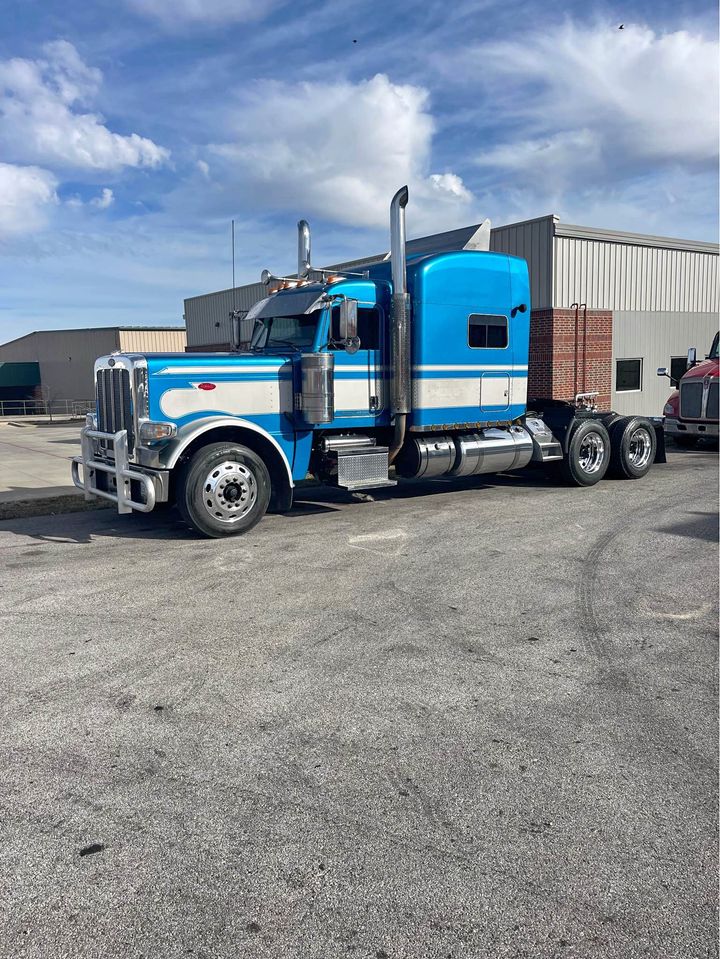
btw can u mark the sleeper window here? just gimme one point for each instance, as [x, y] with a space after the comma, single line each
[487, 331]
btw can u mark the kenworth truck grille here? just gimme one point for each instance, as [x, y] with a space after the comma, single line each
[114, 403]
[691, 397]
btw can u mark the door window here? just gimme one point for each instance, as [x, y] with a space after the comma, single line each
[368, 327]
[678, 366]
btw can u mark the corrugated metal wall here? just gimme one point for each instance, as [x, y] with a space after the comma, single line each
[656, 337]
[207, 318]
[533, 241]
[66, 358]
[624, 276]
[152, 341]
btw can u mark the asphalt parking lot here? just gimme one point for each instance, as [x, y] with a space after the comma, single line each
[461, 720]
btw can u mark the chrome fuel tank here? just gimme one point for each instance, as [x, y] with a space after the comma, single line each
[426, 456]
[465, 454]
[492, 451]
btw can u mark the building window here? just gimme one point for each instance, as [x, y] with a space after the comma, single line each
[678, 366]
[628, 376]
[368, 327]
[487, 332]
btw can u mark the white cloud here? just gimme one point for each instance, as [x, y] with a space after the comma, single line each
[103, 201]
[26, 195]
[178, 12]
[338, 150]
[41, 119]
[598, 104]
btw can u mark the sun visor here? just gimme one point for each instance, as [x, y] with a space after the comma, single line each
[287, 303]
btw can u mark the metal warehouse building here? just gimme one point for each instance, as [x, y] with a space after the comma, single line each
[58, 364]
[608, 307]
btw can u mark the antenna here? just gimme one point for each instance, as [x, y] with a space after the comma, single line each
[232, 241]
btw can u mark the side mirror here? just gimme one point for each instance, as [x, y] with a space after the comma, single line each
[663, 371]
[692, 357]
[348, 325]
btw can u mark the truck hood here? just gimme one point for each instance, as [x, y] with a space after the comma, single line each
[701, 370]
[188, 386]
[185, 363]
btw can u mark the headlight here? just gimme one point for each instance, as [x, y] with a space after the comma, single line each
[669, 409]
[151, 431]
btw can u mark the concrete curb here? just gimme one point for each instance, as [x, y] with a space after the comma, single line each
[49, 506]
[53, 504]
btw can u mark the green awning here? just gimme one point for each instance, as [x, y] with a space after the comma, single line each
[19, 374]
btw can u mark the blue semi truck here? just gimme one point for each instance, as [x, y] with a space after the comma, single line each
[416, 368]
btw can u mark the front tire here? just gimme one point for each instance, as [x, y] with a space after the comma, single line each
[588, 455]
[223, 490]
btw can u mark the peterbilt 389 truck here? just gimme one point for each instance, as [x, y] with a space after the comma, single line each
[416, 368]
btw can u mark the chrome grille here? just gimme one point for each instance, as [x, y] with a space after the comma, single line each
[114, 403]
[691, 395]
[712, 401]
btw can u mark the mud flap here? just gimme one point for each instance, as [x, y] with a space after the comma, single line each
[660, 456]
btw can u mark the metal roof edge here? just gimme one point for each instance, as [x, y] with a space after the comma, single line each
[229, 289]
[94, 329]
[553, 217]
[17, 339]
[634, 239]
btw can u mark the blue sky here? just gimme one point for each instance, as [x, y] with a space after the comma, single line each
[132, 131]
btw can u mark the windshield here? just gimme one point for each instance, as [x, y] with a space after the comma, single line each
[713, 354]
[297, 332]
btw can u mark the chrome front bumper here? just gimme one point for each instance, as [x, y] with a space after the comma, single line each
[120, 479]
[674, 427]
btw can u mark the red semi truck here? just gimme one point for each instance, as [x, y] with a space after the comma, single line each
[691, 411]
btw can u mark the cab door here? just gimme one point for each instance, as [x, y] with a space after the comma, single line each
[360, 385]
[488, 333]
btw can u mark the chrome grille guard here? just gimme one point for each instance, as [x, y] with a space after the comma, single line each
[116, 445]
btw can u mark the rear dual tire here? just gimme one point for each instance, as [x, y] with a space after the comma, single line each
[634, 444]
[588, 455]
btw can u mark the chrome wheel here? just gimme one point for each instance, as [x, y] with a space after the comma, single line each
[229, 492]
[591, 455]
[640, 448]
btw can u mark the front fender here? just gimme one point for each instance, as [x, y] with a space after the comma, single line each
[171, 452]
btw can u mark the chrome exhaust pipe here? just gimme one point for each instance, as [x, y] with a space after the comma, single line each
[304, 266]
[400, 399]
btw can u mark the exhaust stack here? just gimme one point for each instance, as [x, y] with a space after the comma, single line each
[304, 266]
[400, 398]
[400, 316]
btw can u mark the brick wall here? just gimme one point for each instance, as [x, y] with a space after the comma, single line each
[568, 357]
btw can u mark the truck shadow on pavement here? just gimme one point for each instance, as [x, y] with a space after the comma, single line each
[166, 524]
[704, 526]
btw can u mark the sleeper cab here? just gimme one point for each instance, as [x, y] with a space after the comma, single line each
[470, 331]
